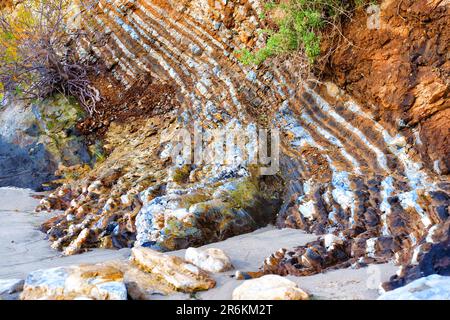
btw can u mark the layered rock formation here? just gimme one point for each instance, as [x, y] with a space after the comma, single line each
[400, 70]
[344, 172]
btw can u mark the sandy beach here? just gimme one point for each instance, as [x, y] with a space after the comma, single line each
[23, 248]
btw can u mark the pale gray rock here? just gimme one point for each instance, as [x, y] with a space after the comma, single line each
[269, 287]
[211, 259]
[10, 288]
[94, 282]
[434, 287]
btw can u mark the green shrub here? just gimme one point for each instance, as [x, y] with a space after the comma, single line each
[299, 27]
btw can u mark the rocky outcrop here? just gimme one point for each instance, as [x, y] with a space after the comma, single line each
[137, 196]
[431, 256]
[345, 171]
[269, 287]
[36, 139]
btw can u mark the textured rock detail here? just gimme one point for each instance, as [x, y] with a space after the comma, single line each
[179, 274]
[402, 70]
[269, 287]
[86, 282]
[36, 139]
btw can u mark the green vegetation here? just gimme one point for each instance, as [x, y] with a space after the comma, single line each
[181, 175]
[298, 26]
[193, 198]
[244, 194]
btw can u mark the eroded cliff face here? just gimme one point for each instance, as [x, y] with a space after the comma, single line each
[345, 171]
[400, 70]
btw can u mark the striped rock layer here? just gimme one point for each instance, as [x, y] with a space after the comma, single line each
[346, 176]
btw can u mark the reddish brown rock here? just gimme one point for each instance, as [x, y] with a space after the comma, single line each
[402, 71]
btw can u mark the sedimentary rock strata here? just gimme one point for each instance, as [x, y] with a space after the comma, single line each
[345, 171]
[399, 69]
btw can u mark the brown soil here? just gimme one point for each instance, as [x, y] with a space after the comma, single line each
[143, 99]
[401, 71]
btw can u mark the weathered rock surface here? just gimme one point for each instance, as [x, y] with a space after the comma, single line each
[36, 139]
[91, 282]
[269, 287]
[136, 195]
[431, 256]
[176, 272]
[10, 288]
[401, 68]
[211, 259]
[143, 285]
[434, 287]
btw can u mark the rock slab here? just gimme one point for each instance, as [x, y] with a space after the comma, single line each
[85, 282]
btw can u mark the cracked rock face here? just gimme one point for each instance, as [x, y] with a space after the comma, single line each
[85, 282]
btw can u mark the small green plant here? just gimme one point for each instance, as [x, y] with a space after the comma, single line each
[299, 24]
[181, 175]
[244, 194]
